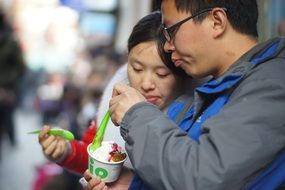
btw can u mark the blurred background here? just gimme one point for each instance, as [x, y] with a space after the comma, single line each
[56, 56]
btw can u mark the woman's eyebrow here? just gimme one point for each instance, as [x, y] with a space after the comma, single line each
[134, 59]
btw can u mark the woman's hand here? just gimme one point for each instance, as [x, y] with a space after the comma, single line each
[93, 183]
[54, 147]
[122, 183]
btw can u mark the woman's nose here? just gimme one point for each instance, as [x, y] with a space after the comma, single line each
[147, 83]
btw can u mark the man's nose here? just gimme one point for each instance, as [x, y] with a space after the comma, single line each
[168, 47]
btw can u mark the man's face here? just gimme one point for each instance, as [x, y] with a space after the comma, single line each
[191, 42]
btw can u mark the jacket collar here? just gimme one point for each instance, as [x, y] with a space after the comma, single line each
[258, 54]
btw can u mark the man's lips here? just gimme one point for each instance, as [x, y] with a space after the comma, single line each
[177, 62]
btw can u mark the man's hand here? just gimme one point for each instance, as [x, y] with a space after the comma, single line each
[123, 98]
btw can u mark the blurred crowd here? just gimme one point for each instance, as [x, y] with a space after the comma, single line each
[65, 96]
[70, 100]
[12, 70]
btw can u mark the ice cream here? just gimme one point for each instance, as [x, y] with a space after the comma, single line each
[106, 161]
[109, 152]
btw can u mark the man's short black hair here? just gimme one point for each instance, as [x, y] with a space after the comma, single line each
[242, 14]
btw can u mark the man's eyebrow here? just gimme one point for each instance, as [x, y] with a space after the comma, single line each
[165, 22]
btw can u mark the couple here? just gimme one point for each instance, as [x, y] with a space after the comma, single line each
[233, 137]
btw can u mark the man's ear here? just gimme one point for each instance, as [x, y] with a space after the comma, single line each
[219, 22]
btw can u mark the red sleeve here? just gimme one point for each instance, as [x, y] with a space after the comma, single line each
[77, 161]
[89, 134]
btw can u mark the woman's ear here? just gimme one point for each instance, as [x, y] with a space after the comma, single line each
[219, 22]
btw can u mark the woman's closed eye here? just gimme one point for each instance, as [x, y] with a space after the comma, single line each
[137, 69]
[162, 74]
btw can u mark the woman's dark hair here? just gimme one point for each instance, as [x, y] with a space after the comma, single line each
[148, 29]
[242, 14]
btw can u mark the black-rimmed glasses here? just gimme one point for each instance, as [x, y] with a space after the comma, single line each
[170, 31]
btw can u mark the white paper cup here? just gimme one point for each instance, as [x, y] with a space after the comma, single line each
[107, 171]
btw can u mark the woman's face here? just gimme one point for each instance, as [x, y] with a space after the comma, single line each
[148, 74]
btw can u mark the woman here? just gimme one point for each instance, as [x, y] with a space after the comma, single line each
[148, 74]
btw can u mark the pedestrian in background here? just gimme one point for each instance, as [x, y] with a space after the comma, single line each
[12, 68]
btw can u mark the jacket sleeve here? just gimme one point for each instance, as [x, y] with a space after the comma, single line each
[77, 160]
[243, 138]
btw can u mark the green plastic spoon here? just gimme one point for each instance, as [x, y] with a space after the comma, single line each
[100, 133]
[57, 132]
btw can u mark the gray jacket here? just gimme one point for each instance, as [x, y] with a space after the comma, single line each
[245, 136]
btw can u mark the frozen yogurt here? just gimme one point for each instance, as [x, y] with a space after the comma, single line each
[109, 152]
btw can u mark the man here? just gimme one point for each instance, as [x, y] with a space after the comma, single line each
[233, 137]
